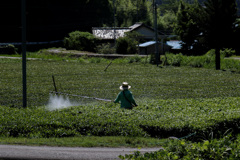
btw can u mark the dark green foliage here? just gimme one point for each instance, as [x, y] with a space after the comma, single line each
[8, 49]
[127, 44]
[155, 118]
[82, 41]
[189, 26]
[211, 27]
[106, 49]
[207, 60]
[219, 25]
[129, 12]
[225, 148]
[220, 22]
[169, 5]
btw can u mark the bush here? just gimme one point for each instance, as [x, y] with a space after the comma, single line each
[134, 59]
[174, 60]
[82, 41]
[207, 60]
[105, 49]
[230, 64]
[126, 45]
[8, 49]
[224, 148]
[227, 52]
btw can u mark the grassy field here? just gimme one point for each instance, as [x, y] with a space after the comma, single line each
[90, 79]
[173, 101]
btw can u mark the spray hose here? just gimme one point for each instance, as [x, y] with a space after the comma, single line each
[75, 95]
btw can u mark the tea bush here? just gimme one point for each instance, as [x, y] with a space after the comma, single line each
[86, 77]
[155, 118]
[225, 148]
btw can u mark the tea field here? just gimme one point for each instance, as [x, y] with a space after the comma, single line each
[88, 78]
[153, 118]
[173, 101]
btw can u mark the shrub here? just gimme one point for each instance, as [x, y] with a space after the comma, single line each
[207, 60]
[126, 45]
[8, 49]
[224, 148]
[174, 60]
[230, 64]
[134, 59]
[82, 41]
[106, 49]
[227, 52]
[197, 62]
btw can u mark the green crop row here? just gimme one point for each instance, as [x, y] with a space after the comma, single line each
[155, 118]
[90, 79]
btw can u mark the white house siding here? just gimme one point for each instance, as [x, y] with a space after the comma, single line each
[108, 33]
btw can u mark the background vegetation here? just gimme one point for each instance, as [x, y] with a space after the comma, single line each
[82, 41]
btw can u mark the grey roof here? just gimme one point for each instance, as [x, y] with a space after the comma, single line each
[149, 43]
[175, 44]
[136, 25]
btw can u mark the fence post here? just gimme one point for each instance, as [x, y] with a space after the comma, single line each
[54, 84]
[24, 68]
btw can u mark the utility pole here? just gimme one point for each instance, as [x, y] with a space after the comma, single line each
[157, 56]
[24, 68]
[114, 19]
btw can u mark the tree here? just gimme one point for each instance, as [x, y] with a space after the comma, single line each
[209, 27]
[219, 25]
[166, 22]
[127, 44]
[129, 12]
[189, 25]
[169, 5]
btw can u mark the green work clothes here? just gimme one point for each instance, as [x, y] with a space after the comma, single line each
[124, 102]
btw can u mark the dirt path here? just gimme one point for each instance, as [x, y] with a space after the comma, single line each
[89, 54]
[62, 153]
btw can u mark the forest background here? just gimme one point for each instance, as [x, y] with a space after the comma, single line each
[53, 20]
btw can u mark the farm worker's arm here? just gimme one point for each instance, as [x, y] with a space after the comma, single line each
[118, 98]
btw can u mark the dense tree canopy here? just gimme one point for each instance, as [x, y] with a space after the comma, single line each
[189, 25]
[54, 19]
[207, 27]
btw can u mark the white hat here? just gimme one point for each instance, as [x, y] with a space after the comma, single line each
[124, 86]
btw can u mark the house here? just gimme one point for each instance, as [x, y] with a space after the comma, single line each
[110, 33]
[148, 48]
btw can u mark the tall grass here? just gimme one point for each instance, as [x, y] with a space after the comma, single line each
[206, 61]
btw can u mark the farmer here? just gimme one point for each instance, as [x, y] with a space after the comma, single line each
[125, 97]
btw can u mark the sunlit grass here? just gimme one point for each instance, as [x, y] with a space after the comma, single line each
[86, 141]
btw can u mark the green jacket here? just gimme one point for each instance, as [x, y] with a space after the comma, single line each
[124, 102]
